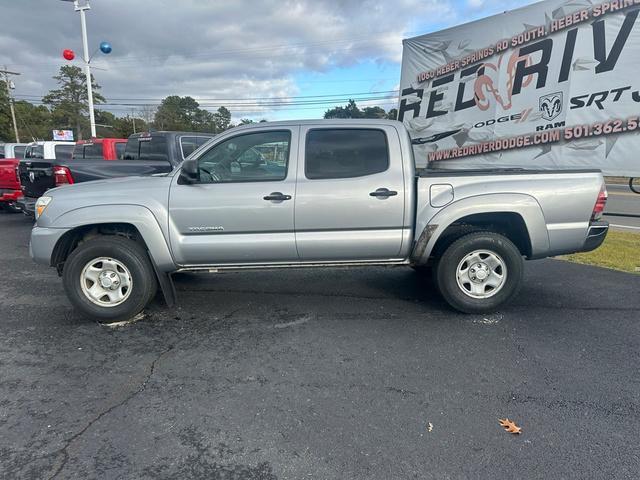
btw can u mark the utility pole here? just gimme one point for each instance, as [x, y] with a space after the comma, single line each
[7, 82]
[133, 120]
[82, 8]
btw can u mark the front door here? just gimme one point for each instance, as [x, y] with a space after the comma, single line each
[350, 196]
[241, 209]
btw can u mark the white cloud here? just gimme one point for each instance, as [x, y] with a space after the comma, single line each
[236, 49]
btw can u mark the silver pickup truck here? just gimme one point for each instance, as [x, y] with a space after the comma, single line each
[312, 194]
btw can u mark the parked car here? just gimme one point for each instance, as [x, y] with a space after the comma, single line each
[10, 192]
[99, 149]
[144, 154]
[323, 193]
[35, 169]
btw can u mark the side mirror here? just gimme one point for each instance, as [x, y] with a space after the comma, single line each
[189, 171]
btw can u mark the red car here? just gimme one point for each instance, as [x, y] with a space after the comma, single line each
[10, 155]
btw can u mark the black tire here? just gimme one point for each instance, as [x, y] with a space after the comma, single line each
[423, 269]
[446, 269]
[634, 185]
[11, 208]
[130, 254]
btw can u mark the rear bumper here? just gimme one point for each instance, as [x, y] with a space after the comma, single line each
[27, 205]
[9, 195]
[595, 235]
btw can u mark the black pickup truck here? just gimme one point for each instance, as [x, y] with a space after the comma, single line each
[146, 153]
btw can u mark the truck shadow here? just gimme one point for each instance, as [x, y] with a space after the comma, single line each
[374, 283]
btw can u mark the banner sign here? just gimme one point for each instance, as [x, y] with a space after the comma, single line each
[64, 135]
[552, 85]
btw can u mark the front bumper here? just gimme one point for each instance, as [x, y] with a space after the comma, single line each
[27, 205]
[595, 235]
[43, 241]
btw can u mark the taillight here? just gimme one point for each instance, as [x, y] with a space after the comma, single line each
[62, 176]
[600, 203]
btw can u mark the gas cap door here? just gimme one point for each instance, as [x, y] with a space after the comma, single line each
[440, 194]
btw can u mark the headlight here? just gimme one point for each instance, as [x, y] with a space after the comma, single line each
[41, 205]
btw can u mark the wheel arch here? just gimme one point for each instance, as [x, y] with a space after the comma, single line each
[138, 223]
[516, 216]
[129, 220]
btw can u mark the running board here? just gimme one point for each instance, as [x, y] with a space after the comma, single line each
[236, 268]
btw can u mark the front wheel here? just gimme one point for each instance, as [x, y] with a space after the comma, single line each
[109, 278]
[479, 272]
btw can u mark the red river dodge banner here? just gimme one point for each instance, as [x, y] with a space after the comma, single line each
[552, 85]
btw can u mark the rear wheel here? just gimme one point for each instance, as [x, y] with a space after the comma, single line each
[109, 278]
[479, 272]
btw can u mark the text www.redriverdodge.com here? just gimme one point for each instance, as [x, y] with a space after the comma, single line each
[539, 138]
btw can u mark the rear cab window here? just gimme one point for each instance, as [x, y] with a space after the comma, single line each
[150, 148]
[1, 151]
[345, 153]
[18, 152]
[34, 151]
[90, 151]
[63, 152]
[120, 146]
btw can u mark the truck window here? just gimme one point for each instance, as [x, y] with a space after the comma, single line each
[1, 151]
[120, 146]
[18, 152]
[63, 152]
[345, 153]
[147, 148]
[93, 151]
[154, 148]
[253, 157]
[34, 151]
[188, 145]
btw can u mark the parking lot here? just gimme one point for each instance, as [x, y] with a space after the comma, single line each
[345, 373]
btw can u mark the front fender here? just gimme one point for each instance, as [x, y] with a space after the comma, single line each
[524, 205]
[140, 217]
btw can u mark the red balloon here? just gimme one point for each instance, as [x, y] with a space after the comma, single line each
[68, 54]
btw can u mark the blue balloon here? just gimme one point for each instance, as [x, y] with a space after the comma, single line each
[105, 47]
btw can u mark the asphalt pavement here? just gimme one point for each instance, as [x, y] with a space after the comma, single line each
[623, 207]
[327, 374]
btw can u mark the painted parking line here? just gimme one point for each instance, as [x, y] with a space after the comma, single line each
[613, 193]
[624, 226]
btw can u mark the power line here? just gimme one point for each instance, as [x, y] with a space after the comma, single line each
[241, 99]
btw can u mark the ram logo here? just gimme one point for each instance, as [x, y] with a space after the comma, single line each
[551, 105]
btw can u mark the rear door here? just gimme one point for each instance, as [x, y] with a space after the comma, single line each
[241, 210]
[350, 194]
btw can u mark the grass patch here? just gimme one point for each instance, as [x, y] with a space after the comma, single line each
[620, 251]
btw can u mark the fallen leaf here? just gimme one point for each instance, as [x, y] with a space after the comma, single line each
[510, 426]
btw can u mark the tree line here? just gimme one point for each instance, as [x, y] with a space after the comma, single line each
[66, 107]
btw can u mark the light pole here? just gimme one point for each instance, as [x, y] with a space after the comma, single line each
[82, 7]
[9, 85]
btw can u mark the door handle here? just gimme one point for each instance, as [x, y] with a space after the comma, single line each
[383, 193]
[277, 197]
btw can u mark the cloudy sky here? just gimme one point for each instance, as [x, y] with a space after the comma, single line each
[252, 56]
